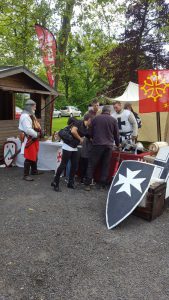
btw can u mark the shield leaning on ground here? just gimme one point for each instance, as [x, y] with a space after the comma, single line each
[127, 190]
[9, 152]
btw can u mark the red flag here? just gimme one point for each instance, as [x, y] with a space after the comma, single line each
[153, 90]
[48, 46]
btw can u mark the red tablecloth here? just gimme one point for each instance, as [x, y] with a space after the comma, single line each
[119, 157]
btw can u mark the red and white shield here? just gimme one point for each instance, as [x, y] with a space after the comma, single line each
[9, 152]
[58, 158]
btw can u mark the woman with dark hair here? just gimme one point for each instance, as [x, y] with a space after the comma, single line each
[78, 129]
[128, 106]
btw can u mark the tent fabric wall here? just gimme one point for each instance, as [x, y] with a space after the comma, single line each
[148, 132]
[166, 132]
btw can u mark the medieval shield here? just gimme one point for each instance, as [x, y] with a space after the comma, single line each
[162, 167]
[58, 159]
[128, 188]
[9, 153]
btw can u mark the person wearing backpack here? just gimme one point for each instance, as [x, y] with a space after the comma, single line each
[128, 106]
[72, 135]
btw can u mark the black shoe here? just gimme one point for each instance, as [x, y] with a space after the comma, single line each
[56, 187]
[71, 186]
[101, 186]
[37, 173]
[82, 181]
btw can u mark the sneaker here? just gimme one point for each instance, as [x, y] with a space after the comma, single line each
[28, 178]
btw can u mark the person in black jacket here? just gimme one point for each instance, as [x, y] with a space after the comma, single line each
[104, 132]
[78, 130]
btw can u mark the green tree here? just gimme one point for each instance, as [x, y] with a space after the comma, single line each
[80, 79]
[141, 45]
[17, 33]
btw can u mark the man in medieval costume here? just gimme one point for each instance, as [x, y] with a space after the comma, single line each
[30, 133]
[128, 128]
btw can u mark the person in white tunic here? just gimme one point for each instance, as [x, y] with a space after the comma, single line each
[31, 131]
[128, 128]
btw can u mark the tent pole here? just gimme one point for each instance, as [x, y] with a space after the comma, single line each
[158, 126]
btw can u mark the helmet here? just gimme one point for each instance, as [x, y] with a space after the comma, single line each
[30, 102]
[139, 146]
[29, 107]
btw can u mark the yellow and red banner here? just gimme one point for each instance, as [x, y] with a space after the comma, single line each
[48, 47]
[153, 90]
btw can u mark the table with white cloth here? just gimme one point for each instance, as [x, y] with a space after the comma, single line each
[49, 155]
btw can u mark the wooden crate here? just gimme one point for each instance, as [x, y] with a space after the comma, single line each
[155, 202]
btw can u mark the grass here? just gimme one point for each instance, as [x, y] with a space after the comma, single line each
[59, 123]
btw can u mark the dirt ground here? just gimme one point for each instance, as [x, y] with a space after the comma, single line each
[56, 246]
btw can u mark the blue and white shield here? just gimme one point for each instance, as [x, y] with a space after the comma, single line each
[127, 190]
[9, 152]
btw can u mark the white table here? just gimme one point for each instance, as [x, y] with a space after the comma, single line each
[49, 155]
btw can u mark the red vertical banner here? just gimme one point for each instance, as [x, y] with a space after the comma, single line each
[48, 47]
[153, 90]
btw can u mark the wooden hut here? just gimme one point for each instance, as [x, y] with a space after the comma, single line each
[20, 80]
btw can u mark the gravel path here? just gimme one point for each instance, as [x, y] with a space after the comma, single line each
[55, 246]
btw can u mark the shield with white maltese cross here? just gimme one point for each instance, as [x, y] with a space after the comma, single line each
[127, 190]
[9, 152]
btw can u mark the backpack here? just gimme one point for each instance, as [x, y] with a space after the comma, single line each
[67, 137]
[138, 119]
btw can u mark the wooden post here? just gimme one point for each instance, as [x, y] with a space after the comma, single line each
[158, 126]
[47, 117]
[43, 112]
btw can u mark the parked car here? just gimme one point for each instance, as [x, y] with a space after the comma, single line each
[70, 111]
[18, 111]
[56, 113]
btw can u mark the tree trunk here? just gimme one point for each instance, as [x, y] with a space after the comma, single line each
[63, 37]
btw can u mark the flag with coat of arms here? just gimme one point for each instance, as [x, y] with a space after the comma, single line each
[153, 90]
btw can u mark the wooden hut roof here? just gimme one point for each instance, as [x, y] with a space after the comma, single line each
[39, 85]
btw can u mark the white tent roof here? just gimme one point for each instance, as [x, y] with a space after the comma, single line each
[130, 94]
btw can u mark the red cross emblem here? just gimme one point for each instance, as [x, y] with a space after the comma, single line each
[59, 156]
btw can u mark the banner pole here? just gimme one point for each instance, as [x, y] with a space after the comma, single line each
[158, 126]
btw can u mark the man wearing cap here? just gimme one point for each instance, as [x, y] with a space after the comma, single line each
[31, 131]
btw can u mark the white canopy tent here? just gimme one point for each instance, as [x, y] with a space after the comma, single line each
[130, 94]
[148, 132]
